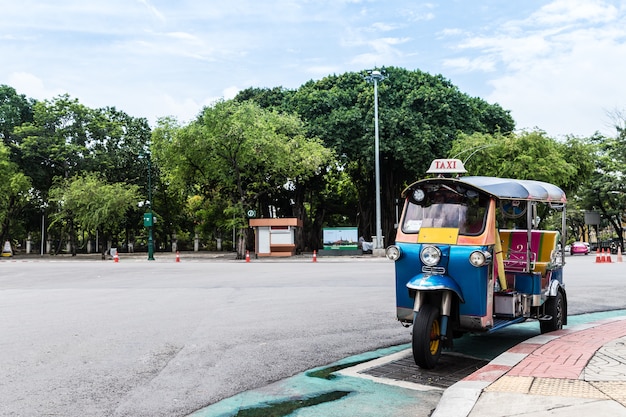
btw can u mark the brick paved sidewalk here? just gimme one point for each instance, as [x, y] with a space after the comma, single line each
[559, 370]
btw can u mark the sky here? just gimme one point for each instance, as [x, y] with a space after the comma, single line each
[557, 65]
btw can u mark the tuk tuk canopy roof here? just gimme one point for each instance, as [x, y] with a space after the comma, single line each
[511, 189]
[508, 188]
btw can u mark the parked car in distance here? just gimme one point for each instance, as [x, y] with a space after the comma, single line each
[579, 247]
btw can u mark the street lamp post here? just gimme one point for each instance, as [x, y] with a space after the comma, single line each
[376, 76]
[43, 225]
[620, 216]
[151, 222]
[148, 217]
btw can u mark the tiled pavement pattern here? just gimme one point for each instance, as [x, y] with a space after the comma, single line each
[609, 363]
[576, 371]
[587, 363]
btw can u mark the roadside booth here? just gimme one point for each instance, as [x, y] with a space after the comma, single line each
[275, 237]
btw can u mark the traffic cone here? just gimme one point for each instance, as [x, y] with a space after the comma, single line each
[619, 254]
[247, 256]
[603, 256]
[177, 256]
[314, 256]
[608, 256]
[116, 258]
[598, 259]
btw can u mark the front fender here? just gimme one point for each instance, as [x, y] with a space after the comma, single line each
[554, 288]
[425, 282]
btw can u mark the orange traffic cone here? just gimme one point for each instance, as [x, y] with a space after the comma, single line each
[598, 258]
[314, 256]
[177, 256]
[608, 256]
[619, 254]
[116, 258]
[247, 256]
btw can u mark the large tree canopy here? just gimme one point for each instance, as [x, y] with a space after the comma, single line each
[15, 109]
[251, 155]
[526, 155]
[419, 117]
[307, 153]
[62, 138]
[14, 187]
[605, 191]
[568, 164]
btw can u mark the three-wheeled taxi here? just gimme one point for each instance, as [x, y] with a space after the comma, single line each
[469, 257]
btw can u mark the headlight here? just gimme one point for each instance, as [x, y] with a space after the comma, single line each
[430, 256]
[393, 253]
[479, 258]
[418, 195]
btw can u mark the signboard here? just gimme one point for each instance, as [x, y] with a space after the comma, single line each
[592, 218]
[341, 238]
[446, 166]
[148, 219]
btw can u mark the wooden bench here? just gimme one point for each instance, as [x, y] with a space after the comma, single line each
[282, 249]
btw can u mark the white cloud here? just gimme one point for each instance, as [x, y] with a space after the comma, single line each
[571, 11]
[465, 64]
[322, 71]
[559, 69]
[153, 10]
[384, 50]
[556, 65]
[569, 91]
[32, 86]
[231, 92]
[384, 27]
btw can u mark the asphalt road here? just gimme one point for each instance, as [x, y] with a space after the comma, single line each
[165, 339]
[142, 338]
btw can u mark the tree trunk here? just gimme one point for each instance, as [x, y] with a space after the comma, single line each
[241, 243]
[104, 246]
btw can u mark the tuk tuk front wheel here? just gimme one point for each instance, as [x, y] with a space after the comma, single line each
[427, 341]
[556, 308]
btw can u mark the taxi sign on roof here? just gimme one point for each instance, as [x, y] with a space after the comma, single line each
[446, 166]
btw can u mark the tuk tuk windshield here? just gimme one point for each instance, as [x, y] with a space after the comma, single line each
[443, 206]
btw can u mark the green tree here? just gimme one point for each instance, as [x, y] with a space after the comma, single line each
[249, 154]
[54, 144]
[605, 191]
[531, 155]
[13, 193]
[116, 145]
[89, 203]
[419, 117]
[527, 155]
[64, 138]
[15, 109]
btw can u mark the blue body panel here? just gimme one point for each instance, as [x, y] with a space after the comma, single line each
[469, 282]
[528, 282]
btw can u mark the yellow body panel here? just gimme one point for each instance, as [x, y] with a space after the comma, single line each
[441, 235]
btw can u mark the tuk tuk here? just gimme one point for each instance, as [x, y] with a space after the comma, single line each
[469, 257]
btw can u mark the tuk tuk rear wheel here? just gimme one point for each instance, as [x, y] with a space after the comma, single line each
[427, 341]
[556, 308]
